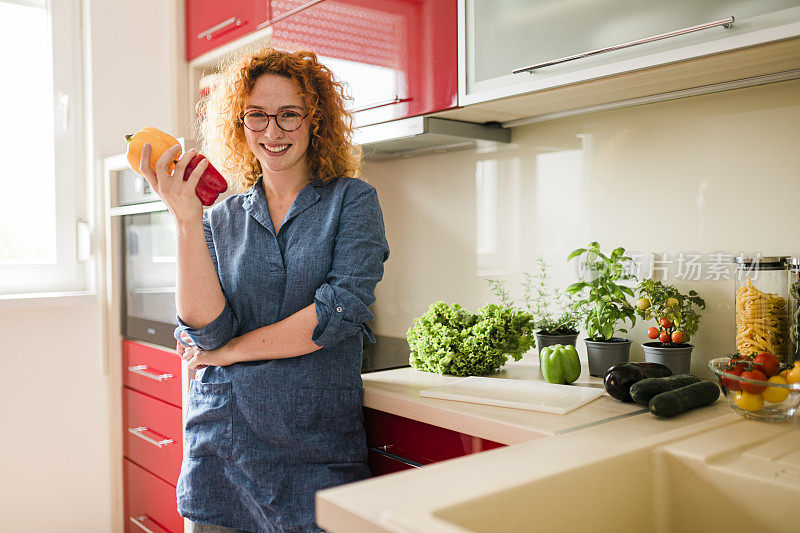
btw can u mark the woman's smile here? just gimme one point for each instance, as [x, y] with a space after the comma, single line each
[275, 149]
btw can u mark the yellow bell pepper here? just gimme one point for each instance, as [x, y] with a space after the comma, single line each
[159, 143]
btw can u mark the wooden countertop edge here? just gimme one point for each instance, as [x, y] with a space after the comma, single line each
[429, 412]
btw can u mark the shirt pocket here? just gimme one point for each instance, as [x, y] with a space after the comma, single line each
[209, 420]
[313, 425]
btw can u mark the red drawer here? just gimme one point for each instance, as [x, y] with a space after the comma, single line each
[419, 442]
[149, 501]
[153, 434]
[152, 371]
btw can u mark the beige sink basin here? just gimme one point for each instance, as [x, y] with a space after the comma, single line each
[729, 479]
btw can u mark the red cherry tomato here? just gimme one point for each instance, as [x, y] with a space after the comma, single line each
[767, 363]
[652, 333]
[731, 383]
[664, 337]
[677, 336]
[752, 388]
[738, 363]
[666, 322]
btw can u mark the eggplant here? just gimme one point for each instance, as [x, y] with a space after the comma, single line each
[620, 377]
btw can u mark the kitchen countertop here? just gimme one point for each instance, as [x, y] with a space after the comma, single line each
[543, 447]
[397, 392]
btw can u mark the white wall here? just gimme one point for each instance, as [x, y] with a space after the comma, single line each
[58, 469]
[140, 75]
[54, 451]
[713, 173]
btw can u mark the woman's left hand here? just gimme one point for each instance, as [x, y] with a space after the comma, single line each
[197, 358]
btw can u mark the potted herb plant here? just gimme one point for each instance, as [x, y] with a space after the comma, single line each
[602, 302]
[677, 319]
[554, 316]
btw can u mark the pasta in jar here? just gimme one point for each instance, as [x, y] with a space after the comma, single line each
[794, 309]
[761, 322]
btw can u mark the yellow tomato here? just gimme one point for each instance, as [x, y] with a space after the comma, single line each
[672, 302]
[793, 375]
[784, 374]
[749, 402]
[775, 394]
[642, 303]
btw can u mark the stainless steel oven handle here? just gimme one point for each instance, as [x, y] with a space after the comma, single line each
[140, 369]
[139, 433]
[725, 23]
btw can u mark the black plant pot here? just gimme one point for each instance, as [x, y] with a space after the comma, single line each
[604, 354]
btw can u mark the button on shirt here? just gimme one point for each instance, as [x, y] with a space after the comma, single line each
[262, 437]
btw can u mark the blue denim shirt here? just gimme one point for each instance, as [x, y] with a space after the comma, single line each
[262, 437]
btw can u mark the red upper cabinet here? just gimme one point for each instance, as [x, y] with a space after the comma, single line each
[399, 58]
[212, 23]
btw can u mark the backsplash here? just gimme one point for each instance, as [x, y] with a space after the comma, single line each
[694, 181]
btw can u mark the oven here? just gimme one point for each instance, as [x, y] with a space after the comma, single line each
[147, 258]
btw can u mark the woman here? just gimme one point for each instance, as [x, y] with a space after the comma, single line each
[272, 289]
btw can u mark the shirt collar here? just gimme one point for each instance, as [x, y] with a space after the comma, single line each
[257, 206]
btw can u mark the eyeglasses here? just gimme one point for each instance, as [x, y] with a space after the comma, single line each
[286, 120]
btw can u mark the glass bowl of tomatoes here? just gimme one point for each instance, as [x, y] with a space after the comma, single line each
[757, 387]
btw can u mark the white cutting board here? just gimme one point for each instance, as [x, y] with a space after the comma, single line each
[516, 393]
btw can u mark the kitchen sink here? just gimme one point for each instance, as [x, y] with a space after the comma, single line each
[729, 479]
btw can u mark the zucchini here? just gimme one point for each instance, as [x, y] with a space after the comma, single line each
[676, 401]
[645, 390]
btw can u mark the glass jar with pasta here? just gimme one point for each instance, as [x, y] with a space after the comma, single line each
[794, 308]
[762, 313]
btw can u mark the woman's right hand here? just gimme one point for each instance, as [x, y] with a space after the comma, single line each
[178, 194]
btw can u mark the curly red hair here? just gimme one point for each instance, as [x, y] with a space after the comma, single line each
[330, 153]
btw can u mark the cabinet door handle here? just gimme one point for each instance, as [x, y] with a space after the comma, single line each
[382, 451]
[209, 33]
[139, 522]
[396, 99]
[139, 432]
[725, 23]
[141, 370]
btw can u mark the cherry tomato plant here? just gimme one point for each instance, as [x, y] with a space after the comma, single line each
[677, 315]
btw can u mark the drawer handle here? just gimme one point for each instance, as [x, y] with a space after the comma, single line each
[381, 450]
[154, 528]
[139, 433]
[141, 370]
[396, 99]
[725, 23]
[209, 33]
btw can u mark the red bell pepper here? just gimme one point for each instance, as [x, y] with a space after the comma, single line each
[211, 183]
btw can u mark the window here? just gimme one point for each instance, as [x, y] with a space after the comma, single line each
[41, 146]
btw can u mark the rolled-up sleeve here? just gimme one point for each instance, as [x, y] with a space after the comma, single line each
[360, 249]
[223, 328]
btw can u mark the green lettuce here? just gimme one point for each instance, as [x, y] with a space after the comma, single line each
[448, 339]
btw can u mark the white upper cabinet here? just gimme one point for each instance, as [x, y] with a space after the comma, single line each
[571, 41]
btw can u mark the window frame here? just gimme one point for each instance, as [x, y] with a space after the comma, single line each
[69, 273]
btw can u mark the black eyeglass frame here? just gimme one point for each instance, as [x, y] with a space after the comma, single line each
[275, 116]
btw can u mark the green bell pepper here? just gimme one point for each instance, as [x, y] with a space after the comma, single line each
[559, 363]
